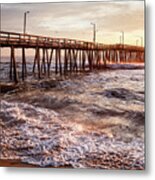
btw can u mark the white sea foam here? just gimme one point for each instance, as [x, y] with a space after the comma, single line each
[42, 137]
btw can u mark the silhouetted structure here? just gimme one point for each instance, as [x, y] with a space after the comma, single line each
[68, 55]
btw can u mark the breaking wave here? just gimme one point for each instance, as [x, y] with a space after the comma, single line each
[43, 137]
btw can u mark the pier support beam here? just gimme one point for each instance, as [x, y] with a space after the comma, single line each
[13, 67]
[24, 70]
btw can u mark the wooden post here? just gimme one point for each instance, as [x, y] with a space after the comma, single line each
[130, 55]
[104, 59]
[80, 60]
[60, 65]
[35, 59]
[91, 60]
[107, 55]
[38, 63]
[98, 60]
[113, 56]
[65, 62]
[125, 56]
[83, 60]
[43, 65]
[75, 66]
[56, 63]
[47, 56]
[11, 63]
[14, 65]
[117, 57]
[49, 62]
[120, 56]
[24, 70]
[70, 61]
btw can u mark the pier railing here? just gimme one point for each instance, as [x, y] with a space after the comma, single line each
[29, 41]
[67, 55]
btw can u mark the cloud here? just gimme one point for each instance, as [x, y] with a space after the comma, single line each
[73, 19]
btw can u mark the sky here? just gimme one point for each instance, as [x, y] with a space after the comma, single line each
[73, 20]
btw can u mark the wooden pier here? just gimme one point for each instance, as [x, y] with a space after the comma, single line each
[68, 55]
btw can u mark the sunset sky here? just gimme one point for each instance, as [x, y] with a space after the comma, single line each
[72, 20]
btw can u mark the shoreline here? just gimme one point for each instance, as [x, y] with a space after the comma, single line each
[14, 163]
[18, 163]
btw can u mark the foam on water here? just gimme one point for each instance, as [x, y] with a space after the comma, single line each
[43, 137]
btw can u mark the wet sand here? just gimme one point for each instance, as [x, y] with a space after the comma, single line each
[18, 163]
[14, 163]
